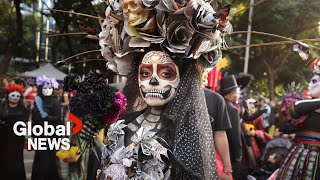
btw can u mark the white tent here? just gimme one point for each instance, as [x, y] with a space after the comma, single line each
[48, 70]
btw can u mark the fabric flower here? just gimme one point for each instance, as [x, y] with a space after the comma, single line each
[71, 82]
[179, 35]
[15, 87]
[119, 106]
[44, 80]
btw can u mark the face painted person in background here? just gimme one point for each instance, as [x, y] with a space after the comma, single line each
[12, 111]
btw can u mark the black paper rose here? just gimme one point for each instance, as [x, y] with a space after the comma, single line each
[71, 82]
[179, 35]
[93, 98]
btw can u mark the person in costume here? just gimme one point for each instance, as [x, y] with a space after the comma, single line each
[46, 108]
[301, 116]
[220, 123]
[231, 94]
[12, 111]
[165, 132]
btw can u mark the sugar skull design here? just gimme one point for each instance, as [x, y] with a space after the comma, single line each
[47, 90]
[14, 97]
[314, 86]
[158, 78]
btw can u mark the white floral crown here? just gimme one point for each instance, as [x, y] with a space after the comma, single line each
[182, 28]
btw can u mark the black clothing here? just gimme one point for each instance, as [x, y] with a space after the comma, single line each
[45, 165]
[234, 138]
[217, 111]
[312, 123]
[15, 143]
[234, 134]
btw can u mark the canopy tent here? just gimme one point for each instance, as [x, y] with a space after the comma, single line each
[48, 70]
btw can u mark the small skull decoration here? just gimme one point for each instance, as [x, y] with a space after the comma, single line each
[134, 12]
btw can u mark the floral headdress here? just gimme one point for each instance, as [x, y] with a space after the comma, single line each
[185, 29]
[44, 80]
[15, 87]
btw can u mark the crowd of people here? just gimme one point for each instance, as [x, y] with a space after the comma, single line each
[166, 123]
[252, 136]
[36, 102]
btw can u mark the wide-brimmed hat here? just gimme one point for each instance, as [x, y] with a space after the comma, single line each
[228, 84]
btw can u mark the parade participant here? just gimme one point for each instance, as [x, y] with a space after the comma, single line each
[220, 123]
[230, 92]
[302, 117]
[159, 45]
[47, 108]
[12, 111]
[264, 106]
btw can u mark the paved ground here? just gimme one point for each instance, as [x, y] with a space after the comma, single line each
[28, 161]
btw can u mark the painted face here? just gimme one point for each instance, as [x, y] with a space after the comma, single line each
[47, 90]
[316, 68]
[14, 97]
[158, 78]
[314, 86]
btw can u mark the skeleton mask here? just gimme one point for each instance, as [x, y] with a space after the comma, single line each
[47, 90]
[316, 68]
[314, 86]
[158, 78]
[14, 97]
[134, 12]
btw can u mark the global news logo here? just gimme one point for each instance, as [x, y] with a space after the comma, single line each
[47, 136]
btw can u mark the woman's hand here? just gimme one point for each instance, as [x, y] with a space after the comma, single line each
[88, 131]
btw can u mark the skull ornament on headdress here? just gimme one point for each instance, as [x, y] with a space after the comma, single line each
[134, 12]
[158, 78]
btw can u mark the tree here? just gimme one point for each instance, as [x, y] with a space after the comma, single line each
[12, 39]
[17, 31]
[296, 19]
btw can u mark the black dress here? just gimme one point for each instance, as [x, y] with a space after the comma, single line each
[14, 156]
[45, 164]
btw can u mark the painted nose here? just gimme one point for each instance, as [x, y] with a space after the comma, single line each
[153, 81]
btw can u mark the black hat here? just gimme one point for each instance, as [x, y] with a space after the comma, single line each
[228, 84]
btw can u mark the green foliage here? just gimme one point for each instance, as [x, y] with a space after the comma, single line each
[297, 19]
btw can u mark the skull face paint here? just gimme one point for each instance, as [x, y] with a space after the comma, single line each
[134, 12]
[14, 97]
[47, 90]
[158, 78]
[316, 68]
[314, 86]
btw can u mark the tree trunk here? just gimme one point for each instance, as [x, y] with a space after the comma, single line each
[7, 58]
[9, 51]
[271, 83]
